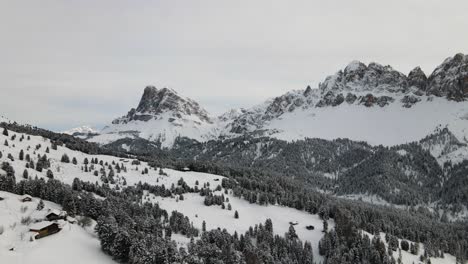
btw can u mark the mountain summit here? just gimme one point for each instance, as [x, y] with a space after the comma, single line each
[161, 116]
[155, 102]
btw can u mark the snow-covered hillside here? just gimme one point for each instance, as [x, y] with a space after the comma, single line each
[73, 244]
[192, 206]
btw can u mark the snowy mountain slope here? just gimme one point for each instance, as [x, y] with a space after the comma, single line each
[250, 214]
[373, 103]
[73, 244]
[445, 147]
[390, 125]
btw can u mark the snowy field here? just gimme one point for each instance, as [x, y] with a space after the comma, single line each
[72, 244]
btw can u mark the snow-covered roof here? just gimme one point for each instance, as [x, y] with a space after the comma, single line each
[56, 212]
[40, 225]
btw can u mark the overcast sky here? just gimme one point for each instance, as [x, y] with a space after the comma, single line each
[68, 63]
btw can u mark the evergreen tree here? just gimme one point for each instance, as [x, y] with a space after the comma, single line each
[65, 158]
[21, 155]
[5, 132]
[50, 174]
[291, 232]
[40, 205]
[236, 215]
[25, 174]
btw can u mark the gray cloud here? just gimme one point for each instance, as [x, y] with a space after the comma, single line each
[66, 63]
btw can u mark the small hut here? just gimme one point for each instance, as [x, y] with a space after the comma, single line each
[44, 229]
[310, 227]
[26, 198]
[56, 215]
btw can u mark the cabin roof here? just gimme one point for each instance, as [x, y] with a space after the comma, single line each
[55, 212]
[41, 225]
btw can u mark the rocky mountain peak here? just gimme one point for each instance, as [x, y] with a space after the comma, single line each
[156, 101]
[358, 77]
[417, 78]
[450, 79]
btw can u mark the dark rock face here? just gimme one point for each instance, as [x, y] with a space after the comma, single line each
[359, 77]
[155, 102]
[450, 79]
[330, 99]
[417, 78]
[409, 100]
[282, 104]
[368, 100]
[307, 91]
[384, 100]
[350, 98]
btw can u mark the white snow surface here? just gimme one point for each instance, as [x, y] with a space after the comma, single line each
[82, 130]
[72, 244]
[389, 125]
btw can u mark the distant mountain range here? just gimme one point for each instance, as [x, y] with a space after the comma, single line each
[371, 103]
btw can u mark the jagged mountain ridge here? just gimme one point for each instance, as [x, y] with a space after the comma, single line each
[358, 102]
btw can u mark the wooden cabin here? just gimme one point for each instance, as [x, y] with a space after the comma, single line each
[44, 229]
[26, 198]
[56, 215]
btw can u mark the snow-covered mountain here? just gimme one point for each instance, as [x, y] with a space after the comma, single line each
[372, 103]
[82, 132]
[162, 115]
